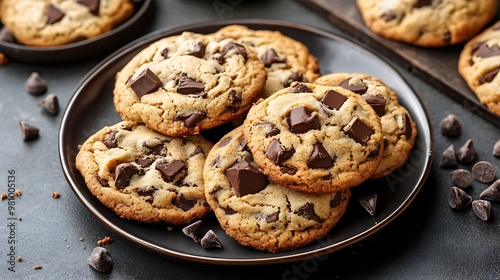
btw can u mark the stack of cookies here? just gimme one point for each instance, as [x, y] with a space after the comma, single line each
[278, 181]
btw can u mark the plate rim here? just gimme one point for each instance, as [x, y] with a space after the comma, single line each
[251, 261]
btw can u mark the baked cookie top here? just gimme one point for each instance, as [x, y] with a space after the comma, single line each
[183, 84]
[398, 127]
[146, 176]
[259, 213]
[60, 22]
[314, 138]
[479, 64]
[427, 23]
[286, 60]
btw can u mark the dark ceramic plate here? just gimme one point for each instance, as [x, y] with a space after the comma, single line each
[108, 41]
[91, 108]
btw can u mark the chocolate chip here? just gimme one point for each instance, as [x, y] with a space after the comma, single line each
[28, 132]
[194, 230]
[186, 85]
[124, 173]
[492, 193]
[423, 3]
[369, 203]
[448, 159]
[278, 153]
[377, 103]
[210, 240]
[488, 76]
[483, 172]
[215, 162]
[224, 142]
[359, 88]
[307, 211]
[358, 131]
[35, 84]
[93, 5]
[302, 120]
[235, 48]
[336, 200]
[458, 198]
[461, 178]
[198, 150]
[100, 260]
[485, 51]
[467, 153]
[145, 191]
[388, 16]
[406, 129]
[288, 170]
[104, 183]
[299, 88]
[235, 101]
[320, 158]
[333, 100]
[190, 120]
[50, 104]
[229, 211]
[110, 140]
[450, 126]
[198, 50]
[184, 203]
[482, 209]
[496, 149]
[169, 169]
[245, 178]
[273, 130]
[219, 58]
[165, 52]
[271, 57]
[273, 217]
[6, 35]
[146, 83]
[53, 14]
[294, 77]
[144, 162]
[154, 150]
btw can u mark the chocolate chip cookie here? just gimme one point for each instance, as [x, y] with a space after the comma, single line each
[183, 84]
[397, 125]
[145, 176]
[314, 138]
[60, 22]
[479, 64]
[427, 23]
[259, 213]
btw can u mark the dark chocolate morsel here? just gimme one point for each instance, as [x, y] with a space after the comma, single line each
[320, 158]
[388, 16]
[210, 240]
[288, 170]
[237, 48]
[482, 209]
[110, 140]
[235, 101]
[448, 159]
[35, 84]
[423, 3]
[219, 58]
[307, 211]
[278, 153]
[299, 88]
[224, 142]
[458, 198]
[492, 193]
[302, 120]
[124, 173]
[406, 129]
[359, 89]
[184, 203]
[104, 183]
[450, 126]
[50, 104]
[198, 50]
[485, 51]
[461, 178]
[145, 191]
[369, 203]
[358, 131]
[28, 132]
[6, 35]
[186, 85]
[155, 150]
[215, 161]
[488, 76]
[483, 172]
[271, 57]
[144, 162]
[100, 260]
[229, 211]
[336, 200]
[496, 149]
[194, 230]
[146, 83]
[169, 169]
[273, 130]
[165, 52]
[333, 99]
[190, 120]
[377, 103]
[294, 77]
[273, 217]
[467, 153]
[245, 178]
[53, 14]
[93, 5]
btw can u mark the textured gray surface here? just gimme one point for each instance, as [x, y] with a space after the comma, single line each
[429, 241]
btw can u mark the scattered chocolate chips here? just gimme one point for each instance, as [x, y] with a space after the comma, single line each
[359, 89]
[124, 173]
[169, 169]
[146, 83]
[93, 5]
[492, 193]
[210, 240]
[423, 3]
[278, 153]
[35, 84]
[485, 51]
[333, 100]
[467, 153]
[307, 211]
[198, 50]
[369, 203]
[100, 260]
[194, 230]
[488, 76]
[245, 178]
[182, 202]
[186, 85]
[271, 57]
[53, 14]
[458, 198]
[448, 159]
[236, 48]
[496, 149]
[28, 132]
[190, 120]
[302, 120]
[377, 103]
[461, 178]
[358, 131]
[320, 158]
[6, 35]
[110, 140]
[450, 126]
[482, 209]
[299, 88]
[483, 172]
[50, 104]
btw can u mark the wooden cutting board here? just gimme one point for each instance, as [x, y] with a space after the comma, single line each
[437, 66]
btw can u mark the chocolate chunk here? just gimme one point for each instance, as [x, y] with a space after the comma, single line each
[235, 101]
[482, 209]
[35, 84]
[461, 178]
[100, 260]
[278, 153]
[485, 51]
[273, 217]
[144, 162]
[492, 193]
[6, 35]
[215, 162]
[210, 240]
[124, 173]
[190, 120]
[488, 76]
[336, 200]
[369, 203]
[273, 130]
[483, 172]
[165, 52]
[333, 100]
[406, 129]
[198, 50]
[288, 170]
[154, 150]
[194, 230]
[458, 198]
[50, 104]
[229, 211]
[146, 83]
[145, 191]
[359, 89]
[358, 131]
[294, 77]
[53, 14]
[450, 126]
[307, 211]
[423, 3]
[299, 88]
[302, 120]
[104, 183]
[110, 140]
[224, 142]
[388, 16]
[169, 169]
[377, 103]
[219, 58]
[93, 5]
[320, 158]
[198, 150]
[245, 178]
[271, 57]
[448, 159]
[28, 132]
[467, 153]
[184, 203]
[186, 85]
[496, 149]
[235, 48]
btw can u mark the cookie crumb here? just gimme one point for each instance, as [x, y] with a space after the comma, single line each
[104, 241]
[56, 195]
[19, 193]
[81, 238]
[19, 259]
[4, 196]
[37, 267]
[20, 218]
